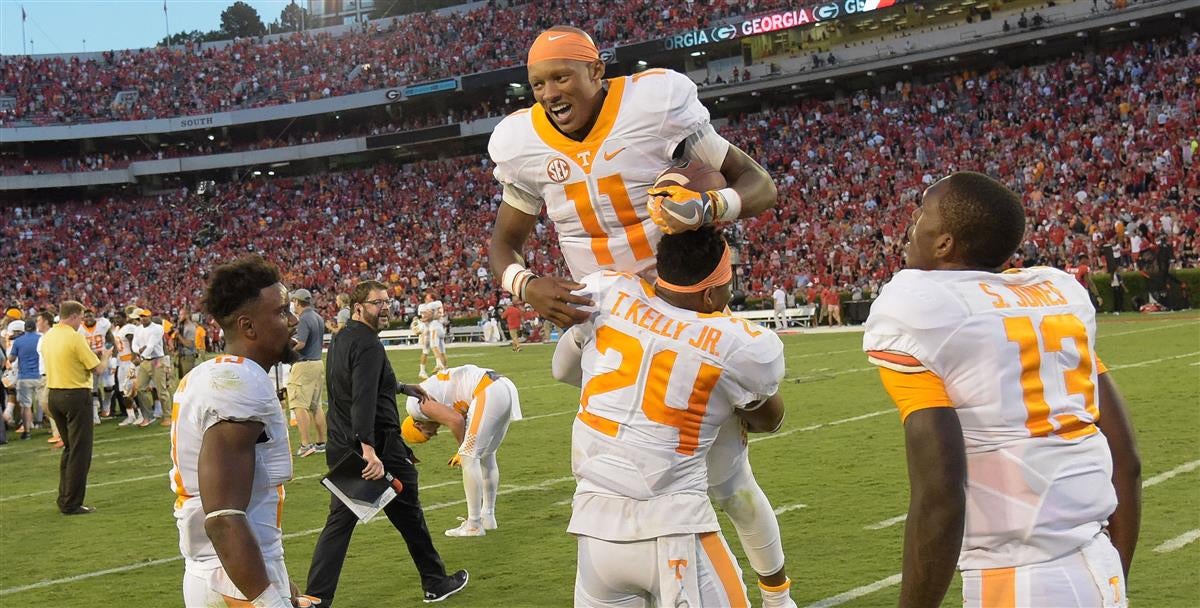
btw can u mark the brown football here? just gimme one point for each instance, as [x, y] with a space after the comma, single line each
[692, 175]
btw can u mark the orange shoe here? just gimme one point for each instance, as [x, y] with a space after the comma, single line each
[165, 422]
[54, 439]
[57, 445]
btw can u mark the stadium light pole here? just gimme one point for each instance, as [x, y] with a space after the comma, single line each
[23, 38]
[167, 22]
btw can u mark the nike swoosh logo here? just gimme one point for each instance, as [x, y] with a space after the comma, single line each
[553, 38]
[608, 156]
[690, 220]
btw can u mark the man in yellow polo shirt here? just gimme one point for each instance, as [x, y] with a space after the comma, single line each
[70, 364]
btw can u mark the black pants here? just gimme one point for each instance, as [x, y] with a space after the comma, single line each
[404, 512]
[71, 409]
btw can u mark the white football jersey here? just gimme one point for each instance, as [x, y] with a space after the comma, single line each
[237, 389]
[1014, 354]
[595, 190]
[124, 353]
[658, 383]
[96, 334]
[437, 309]
[455, 387]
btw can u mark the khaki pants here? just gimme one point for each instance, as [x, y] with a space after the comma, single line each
[184, 364]
[156, 370]
[304, 385]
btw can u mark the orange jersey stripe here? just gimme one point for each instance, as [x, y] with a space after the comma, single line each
[1000, 588]
[279, 507]
[480, 402]
[897, 358]
[718, 554]
[914, 392]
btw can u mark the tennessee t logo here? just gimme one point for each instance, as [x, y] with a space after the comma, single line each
[678, 565]
[583, 158]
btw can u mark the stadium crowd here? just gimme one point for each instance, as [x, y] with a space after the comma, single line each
[248, 73]
[1103, 146]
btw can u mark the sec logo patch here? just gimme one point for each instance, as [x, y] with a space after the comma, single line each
[558, 170]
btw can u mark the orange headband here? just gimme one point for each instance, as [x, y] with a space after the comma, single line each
[555, 44]
[719, 276]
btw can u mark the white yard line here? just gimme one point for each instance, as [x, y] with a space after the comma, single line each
[887, 523]
[1179, 542]
[814, 427]
[117, 482]
[128, 459]
[87, 575]
[542, 486]
[857, 592]
[786, 508]
[1186, 467]
[563, 413]
[1146, 329]
[1153, 361]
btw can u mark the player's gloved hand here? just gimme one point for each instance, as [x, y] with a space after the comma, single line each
[551, 297]
[455, 460]
[299, 600]
[676, 209]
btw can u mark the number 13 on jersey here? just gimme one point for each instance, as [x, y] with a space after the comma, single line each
[1055, 330]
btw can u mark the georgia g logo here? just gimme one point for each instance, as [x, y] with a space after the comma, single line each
[558, 170]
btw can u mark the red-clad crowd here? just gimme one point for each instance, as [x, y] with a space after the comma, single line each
[249, 73]
[1104, 148]
[290, 136]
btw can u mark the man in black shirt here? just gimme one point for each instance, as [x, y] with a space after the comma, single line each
[363, 418]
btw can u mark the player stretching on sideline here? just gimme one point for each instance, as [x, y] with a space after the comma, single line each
[589, 151]
[1021, 456]
[477, 406]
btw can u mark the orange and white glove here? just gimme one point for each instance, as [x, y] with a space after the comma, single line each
[676, 209]
[299, 600]
[305, 601]
[455, 460]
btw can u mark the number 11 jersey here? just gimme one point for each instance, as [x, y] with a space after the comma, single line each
[595, 190]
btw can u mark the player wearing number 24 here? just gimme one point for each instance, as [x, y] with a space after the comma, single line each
[1021, 455]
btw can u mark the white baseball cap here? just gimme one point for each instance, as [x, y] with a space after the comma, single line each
[16, 326]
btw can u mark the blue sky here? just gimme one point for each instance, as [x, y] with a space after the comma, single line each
[62, 26]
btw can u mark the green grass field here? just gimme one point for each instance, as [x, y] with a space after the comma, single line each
[836, 472]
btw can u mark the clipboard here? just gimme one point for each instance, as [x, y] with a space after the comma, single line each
[364, 497]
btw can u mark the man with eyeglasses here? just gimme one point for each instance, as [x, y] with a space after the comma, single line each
[363, 418]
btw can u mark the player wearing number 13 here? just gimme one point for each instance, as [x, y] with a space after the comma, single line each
[663, 369]
[1021, 456]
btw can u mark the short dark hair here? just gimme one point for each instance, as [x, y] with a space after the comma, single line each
[688, 257]
[986, 219]
[233, 285]
[363, 290]
[46, 316]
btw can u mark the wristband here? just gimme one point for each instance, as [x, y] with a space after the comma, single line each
[732, 208]
[224, 513]
[509, 276]
[515, 278]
